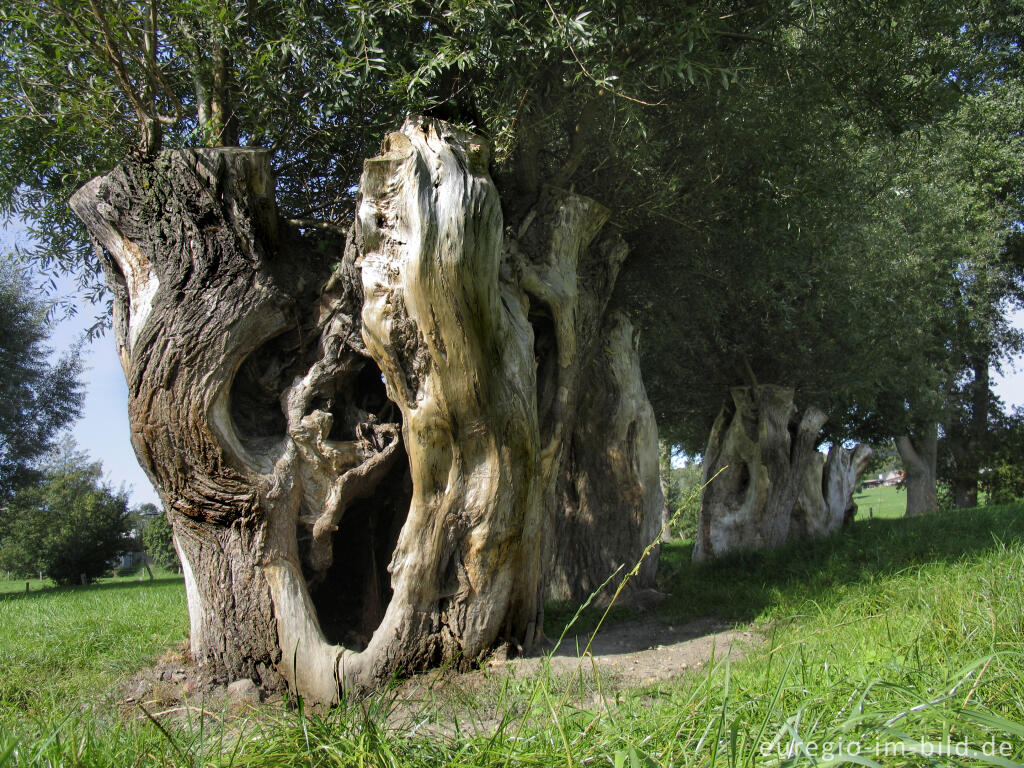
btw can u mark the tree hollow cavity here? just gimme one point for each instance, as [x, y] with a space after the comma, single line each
[256, 411]
[545, 354]
[358, 497]
[353, 596]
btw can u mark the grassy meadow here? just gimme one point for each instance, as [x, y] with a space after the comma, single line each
[898, 643]
[884, 502]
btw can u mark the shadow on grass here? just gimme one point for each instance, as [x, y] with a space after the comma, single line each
[703, 598]
[740, 587]
[95, 587]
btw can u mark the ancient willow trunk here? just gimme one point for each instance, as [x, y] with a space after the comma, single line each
[611, 481]
[358, 444]
[919, 454]
[825, 503]
[770, 484]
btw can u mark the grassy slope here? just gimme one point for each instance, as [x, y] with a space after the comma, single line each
[899, 629]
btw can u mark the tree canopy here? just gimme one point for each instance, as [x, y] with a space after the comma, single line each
[69, 525]
[37, 397]
[774, 166]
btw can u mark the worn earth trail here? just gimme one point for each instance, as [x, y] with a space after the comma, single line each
[623, 656]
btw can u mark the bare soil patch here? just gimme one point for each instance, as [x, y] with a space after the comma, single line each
[623, 656]
[629, 655]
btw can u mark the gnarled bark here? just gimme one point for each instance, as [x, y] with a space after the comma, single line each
[611, 496]
[920, 459]
[359, 448]
[842, 474]
[825, 504]
[761, 450]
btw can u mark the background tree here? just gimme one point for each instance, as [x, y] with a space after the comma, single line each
[68, 525]
[682, 493]
[954, 202]
[37, 397]
[158, 540]
[1003, 477]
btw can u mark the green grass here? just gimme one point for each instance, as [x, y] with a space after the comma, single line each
[17, 586]
[886, 502]
[899, 635]
[63, 649]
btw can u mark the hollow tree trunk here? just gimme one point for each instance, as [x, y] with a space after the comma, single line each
[920, 455]
[763, 452]
[825, 503]
[843, 470]
[356, 446]
[191, 302]
[565, 276]
[611, 491]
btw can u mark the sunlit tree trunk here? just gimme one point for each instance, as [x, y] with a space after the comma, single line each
[920, 458]
[758, 457]
[361, 445]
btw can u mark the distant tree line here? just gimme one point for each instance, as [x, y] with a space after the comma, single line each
[59, 518]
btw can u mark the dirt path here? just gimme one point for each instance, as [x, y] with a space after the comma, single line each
[623, 656]
[627, 655]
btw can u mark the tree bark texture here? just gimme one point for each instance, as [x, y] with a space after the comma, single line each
[360, 446]
[611, 497]
[759, 456]
[920, 460]
[825, 503]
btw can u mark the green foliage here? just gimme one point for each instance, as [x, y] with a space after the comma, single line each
[67, 525]
[884, 459]
[37, 398]
[1002, 477]
[159, 543]
[682, 487]
[822, 251]
[779, 172]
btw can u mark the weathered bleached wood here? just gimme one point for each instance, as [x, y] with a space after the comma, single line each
[359, 447]
[761, 450]
[825, 503]
[843, 471]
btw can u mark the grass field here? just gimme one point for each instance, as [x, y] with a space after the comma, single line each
[881, 502]
[62, 649]
[899, 643]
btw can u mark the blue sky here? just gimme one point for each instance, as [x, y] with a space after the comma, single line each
[103, 428]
